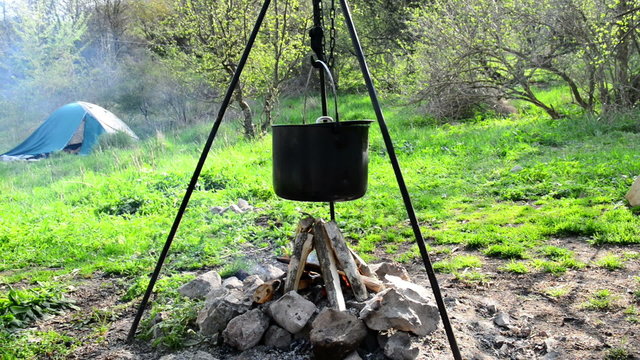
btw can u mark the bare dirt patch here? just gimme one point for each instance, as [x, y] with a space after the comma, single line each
[542, 324]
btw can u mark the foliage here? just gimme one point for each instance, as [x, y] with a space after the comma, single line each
[618, 354]
[32, 344]
[479, 50]
[171, 324]
[18, 308]
[457, 263]
[556, 292]
[600, 301]
[611, 262]
[515, 267]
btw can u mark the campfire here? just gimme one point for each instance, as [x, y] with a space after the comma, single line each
[329, 296]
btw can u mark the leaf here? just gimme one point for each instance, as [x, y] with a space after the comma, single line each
[18, 309]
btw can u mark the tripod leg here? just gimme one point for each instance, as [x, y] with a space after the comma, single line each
[198, 169]
[403, 188]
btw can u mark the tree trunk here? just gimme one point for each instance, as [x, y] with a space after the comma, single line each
[247, 123]
[621, 81]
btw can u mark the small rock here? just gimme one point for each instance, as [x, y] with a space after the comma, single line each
[157, 319]
[218, 311]
[117, 354]
[516, 169]
[244, 205]
[550, 344]
[270, 272]
[353, 356]
[251, 283]
[400, 347]
[189, 355]
[245, 331]
[390, 268]
[502, 319]
[393, 309]
[199, 287]
[554, 355]
[217, 210]
[232, 283]
[633, 196]
[292, 311]
[236, 209]
[335, 334]
[413, 291]
[277, 337]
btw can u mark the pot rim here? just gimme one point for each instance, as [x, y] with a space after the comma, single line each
[329, 124]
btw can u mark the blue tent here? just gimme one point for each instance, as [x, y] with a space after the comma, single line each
[75, 126]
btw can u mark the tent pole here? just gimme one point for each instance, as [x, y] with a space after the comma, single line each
[400, 179]
[198, 169]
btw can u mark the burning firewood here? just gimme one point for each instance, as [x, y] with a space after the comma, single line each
[332, 235]
[328, 266]
[302, 247]
[372, 284]
[266, 291]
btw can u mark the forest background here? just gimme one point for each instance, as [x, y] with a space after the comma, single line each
[163, 64]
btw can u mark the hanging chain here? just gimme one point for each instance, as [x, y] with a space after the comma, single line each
[332, 35]
[321, 6]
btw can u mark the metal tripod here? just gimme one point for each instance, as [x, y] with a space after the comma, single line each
[390, 150]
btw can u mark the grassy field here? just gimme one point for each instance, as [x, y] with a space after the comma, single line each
[502, 187]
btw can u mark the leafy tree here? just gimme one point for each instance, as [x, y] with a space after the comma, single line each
[42, 59]
[476, 49]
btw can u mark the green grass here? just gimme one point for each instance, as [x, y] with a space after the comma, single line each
[556, 292]
[515, 267]
[611, 262]
[601, 300]
[71, 217]
[457, 263]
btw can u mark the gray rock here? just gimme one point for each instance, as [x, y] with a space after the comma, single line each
[292, 311]
[413, 291]
[277, 337]
[199, 287]
[336, 334]
[244, 205]
[490, 306]
[390, 268]
[399, 346]
[218, 311]
[502, 319]
[554, 355]
[246, 330]
[270, 272]
[392, 309]
[118, 354]
[157, 319]
[232, 283]
[251, 283]
[550, 345]
[353, 356]
[516, 168]
[217, 210]
[189, 355]
[236, 209]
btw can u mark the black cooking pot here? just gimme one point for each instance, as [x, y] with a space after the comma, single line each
[321, 162]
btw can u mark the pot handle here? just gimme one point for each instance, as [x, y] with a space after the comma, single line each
[333, 88]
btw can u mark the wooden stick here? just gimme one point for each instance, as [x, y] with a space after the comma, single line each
[362, 265]
[342, 253]
[265, 291]
[328, 266]
[303, 244]
[372, 284]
